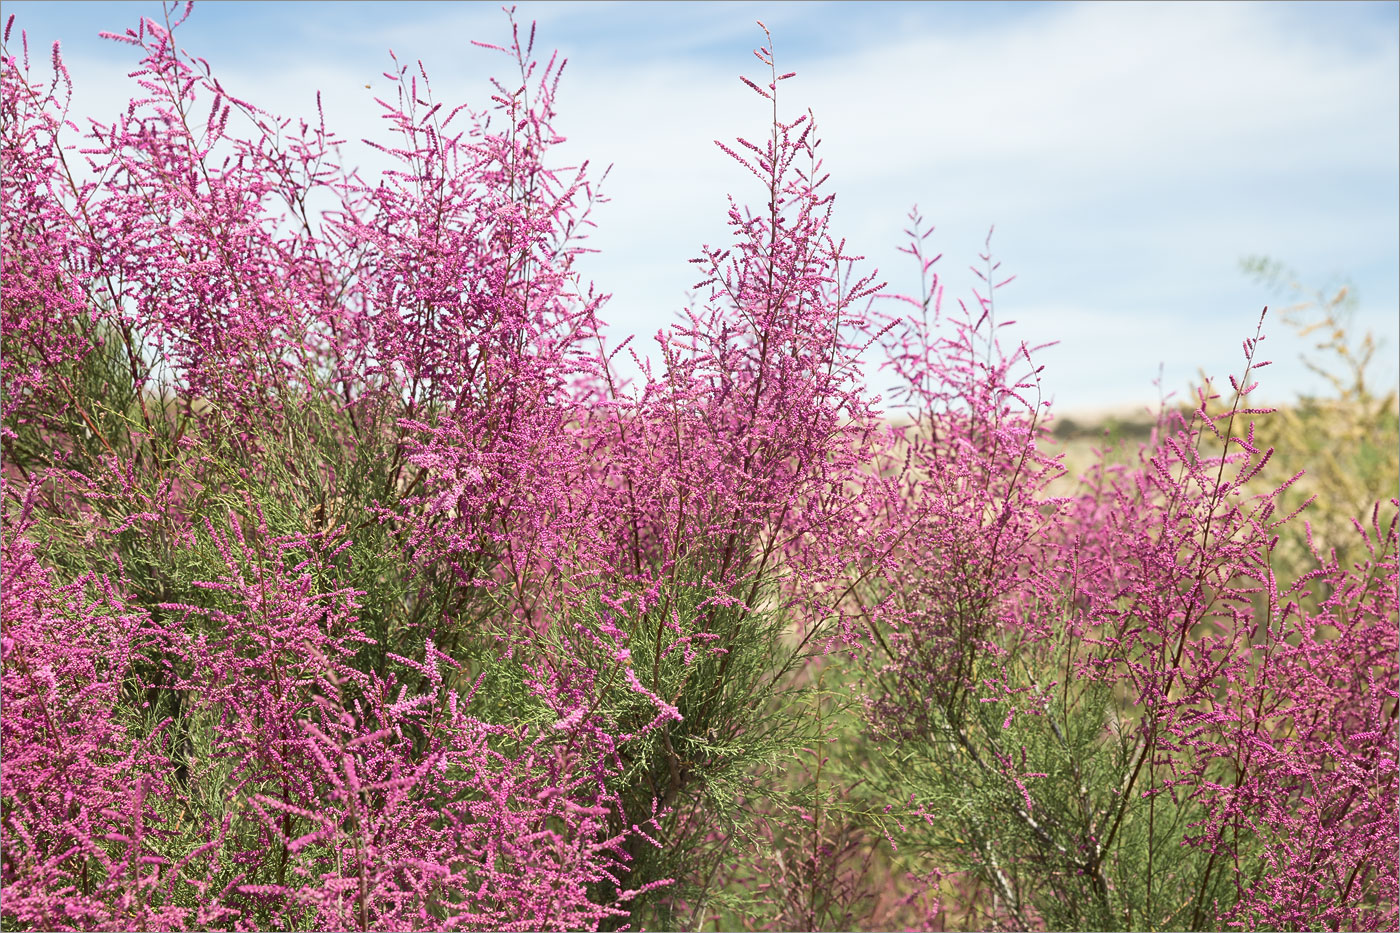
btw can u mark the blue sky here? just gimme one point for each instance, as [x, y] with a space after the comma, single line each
[1128, 154]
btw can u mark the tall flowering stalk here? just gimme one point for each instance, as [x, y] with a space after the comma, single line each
[722, 488]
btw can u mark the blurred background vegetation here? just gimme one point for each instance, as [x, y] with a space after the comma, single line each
[1346, 440]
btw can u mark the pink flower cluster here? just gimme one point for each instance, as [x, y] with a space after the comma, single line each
[347, 586]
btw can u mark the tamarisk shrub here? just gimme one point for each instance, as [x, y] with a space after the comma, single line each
[725, 486]
[311, 460]
[218, 429]
[346, 585]
[1108, 708]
